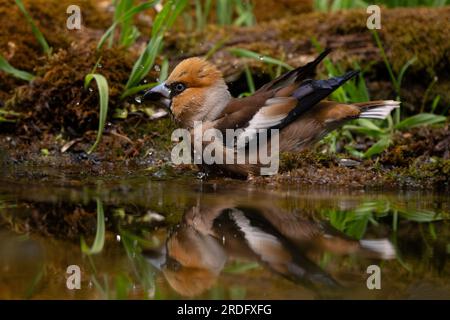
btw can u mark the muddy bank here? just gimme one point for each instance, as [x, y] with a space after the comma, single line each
[19, 46]
[418, 159]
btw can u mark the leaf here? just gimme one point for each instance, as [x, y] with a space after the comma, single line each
[249, 77]
[126, 16]
[164, 73]
[368, 132]
[368, 124]
[421, 119]
[103, 91]
[244, 53]
[99, 240]
[145, 62]
[405, 67]
[37, 33]
[137, 89]
[6, 67]
[420, 215]
[378, 147]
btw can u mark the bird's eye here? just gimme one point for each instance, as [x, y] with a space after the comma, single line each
[179, 87]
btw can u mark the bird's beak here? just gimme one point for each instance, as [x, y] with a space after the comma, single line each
[159, 94]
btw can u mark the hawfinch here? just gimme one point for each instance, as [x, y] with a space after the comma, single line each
[294, 104]
[197, 250]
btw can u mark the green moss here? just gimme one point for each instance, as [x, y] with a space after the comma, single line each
[435, 173]
[18, 44]
[291, 161]
[57, 100]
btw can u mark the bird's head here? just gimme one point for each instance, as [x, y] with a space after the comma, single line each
[194, 91]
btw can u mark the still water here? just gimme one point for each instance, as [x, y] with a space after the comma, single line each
[220, 239]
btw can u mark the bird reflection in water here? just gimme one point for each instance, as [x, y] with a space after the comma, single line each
[197, 249]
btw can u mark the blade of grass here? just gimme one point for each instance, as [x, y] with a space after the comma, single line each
[164, 73]
[137, 89]
[378, 147]
[124, 17]
[163, 21]
[385, 59]
[126, 29]
[421, 119]
[216, 47]
[244, 53]
[250, 82]
[103, 91]
[99, 240]
[37, 33]
[6, 67]
[435, 103]
[145, 62]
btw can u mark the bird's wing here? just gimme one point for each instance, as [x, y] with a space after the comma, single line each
[279, 111]
[239, 112]
[277, 252]
[310, 93]
[291, 79]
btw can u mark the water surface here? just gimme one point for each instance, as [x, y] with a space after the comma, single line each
[188, 238]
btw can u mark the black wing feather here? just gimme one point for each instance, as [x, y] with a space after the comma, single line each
[312, 92]
[301, 73]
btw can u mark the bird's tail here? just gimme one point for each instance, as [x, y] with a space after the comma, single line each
[377, 109]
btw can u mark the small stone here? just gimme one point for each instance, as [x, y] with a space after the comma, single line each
[349, 163]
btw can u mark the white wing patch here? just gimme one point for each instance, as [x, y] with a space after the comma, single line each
[267, 246]
[272, 113]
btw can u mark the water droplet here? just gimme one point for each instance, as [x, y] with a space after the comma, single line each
[118, 238]
[157, 68]
[261, 58]
[99, 66]
[138, 99]
[145, 81]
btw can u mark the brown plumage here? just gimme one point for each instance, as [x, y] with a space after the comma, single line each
[292, 103]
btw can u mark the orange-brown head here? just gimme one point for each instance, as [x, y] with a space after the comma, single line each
[194, 91]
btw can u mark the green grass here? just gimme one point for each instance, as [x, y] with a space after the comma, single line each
[37, 33]
[9, 69]
[163, 22]
[381, 131]
[244, 53]
[228, 12]
[202, 11]
[99, 240]
[103, 91]
[355, 222]
[123, 18]
[245, 16]
[335, 5]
